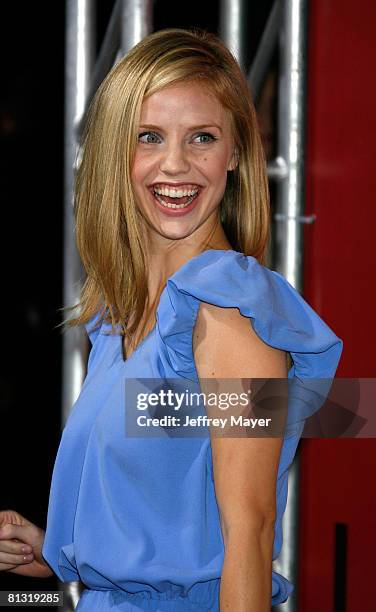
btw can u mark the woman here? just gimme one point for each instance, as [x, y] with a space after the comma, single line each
[172, 218]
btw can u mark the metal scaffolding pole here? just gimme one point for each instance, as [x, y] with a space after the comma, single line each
[291, 141]
[136, 22]
[78, 64]
[233, 24]
[107, 54]
[130, 21]
[265, 50]
[289, 232]
[79, 58]
[289, 20]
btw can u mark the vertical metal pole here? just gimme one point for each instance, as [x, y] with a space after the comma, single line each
[287, 563]
[79, 60]
[233, 23]
[136, 22]
[291, 141]
[289, 233]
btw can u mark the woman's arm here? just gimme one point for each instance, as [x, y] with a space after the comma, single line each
[245, 469]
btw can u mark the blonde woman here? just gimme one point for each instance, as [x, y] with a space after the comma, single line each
[172, 215]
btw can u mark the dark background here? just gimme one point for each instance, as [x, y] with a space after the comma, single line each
[31, 131]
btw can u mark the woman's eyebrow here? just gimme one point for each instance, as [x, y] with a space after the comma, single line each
[206, 126]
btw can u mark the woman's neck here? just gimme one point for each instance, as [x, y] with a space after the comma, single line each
[164, 259]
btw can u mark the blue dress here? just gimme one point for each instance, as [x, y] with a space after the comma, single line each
[136, 519]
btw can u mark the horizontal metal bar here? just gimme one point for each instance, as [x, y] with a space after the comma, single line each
[277, 169]
[297, 218]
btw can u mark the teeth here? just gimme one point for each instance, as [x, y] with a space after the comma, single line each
[168, 205]
[175, 193]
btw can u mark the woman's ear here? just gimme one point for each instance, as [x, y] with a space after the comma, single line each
[234, 161]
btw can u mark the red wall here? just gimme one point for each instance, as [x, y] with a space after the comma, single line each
[338, 476]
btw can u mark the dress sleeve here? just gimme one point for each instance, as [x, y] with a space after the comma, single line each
[278, 313]
[280, 317]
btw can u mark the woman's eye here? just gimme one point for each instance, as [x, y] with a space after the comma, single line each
[148, 137]
[204, 137]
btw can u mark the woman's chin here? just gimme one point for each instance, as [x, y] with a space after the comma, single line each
[174, 231]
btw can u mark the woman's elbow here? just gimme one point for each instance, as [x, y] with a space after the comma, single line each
[248, 527]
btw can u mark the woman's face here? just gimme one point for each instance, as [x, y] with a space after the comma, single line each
[184, 150]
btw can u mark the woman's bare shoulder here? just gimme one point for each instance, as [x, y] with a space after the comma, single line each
[226, 345]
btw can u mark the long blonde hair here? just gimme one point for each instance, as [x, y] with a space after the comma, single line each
[109, 236]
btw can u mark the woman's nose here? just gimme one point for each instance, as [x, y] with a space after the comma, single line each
[174, 159]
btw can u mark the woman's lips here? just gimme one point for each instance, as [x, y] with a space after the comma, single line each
[175, 212]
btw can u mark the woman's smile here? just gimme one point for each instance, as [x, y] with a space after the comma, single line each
[175, 198]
